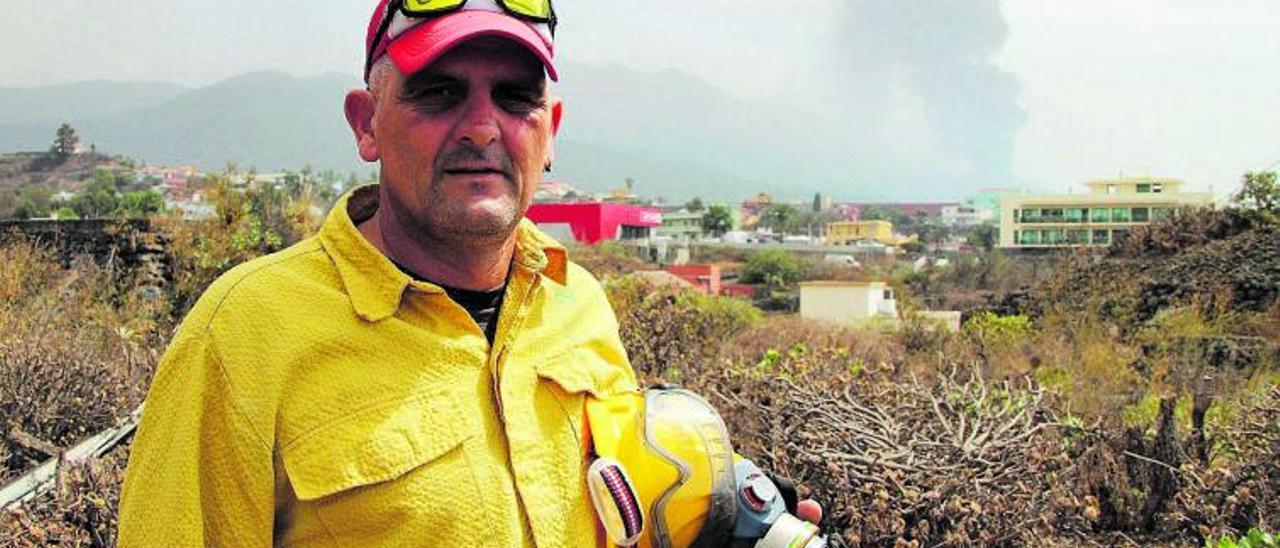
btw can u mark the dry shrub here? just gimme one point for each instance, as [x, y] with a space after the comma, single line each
[945, 459]
[28, 267]
[1187, 228]
[608, 259]
[790, 346]
[1246, 492]
[1001, 344]
[949, 460]
[203, 250]
[81, 510]
[77, 348]
[673, 333]
[1090, 372]
[1148, 487]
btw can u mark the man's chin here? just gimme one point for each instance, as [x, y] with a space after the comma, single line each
[489, 222]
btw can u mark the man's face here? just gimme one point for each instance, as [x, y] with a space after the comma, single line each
[464, 141]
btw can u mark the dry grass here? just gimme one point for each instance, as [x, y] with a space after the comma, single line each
[1074, 428]
[77, 348]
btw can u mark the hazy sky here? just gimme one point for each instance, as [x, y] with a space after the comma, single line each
[1043, 93]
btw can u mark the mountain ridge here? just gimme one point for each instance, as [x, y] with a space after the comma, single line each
[674, 134]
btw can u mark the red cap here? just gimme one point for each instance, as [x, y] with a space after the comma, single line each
[414, 43]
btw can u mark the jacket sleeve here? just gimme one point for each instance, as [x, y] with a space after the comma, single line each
[199, 473]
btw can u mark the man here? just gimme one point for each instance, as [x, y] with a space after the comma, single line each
[413, 375]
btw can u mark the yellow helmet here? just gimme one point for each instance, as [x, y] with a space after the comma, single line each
[672, 450]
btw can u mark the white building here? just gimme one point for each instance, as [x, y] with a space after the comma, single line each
[965, 214]
[845, 302]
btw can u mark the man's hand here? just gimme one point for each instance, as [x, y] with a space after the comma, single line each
[808, 509]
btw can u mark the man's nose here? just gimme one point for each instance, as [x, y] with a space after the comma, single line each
[480, 123]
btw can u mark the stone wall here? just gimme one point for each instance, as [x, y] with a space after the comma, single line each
[132, 244]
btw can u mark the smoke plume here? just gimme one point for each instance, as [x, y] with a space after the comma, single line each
[943, 53]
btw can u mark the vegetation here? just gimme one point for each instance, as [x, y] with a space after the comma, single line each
[109, 196]
[717, 220]
[66, 143]
[1129, 396]
[1259, 193]
[1255, 539]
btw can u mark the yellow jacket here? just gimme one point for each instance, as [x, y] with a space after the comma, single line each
[319, 396]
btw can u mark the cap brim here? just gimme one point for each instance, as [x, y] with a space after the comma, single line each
[420, 45]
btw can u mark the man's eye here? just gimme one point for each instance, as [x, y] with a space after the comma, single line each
[435, 95]
[518, 101]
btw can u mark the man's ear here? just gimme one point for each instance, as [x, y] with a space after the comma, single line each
[360, 107]
[557, 111]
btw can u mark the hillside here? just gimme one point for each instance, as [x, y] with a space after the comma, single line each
[1221, 259]
[41, 105]
[673, 134]
[676, 136]
[21, 170]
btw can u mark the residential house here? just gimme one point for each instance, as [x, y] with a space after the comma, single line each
[845, 302]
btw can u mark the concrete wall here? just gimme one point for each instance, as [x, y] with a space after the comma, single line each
[841, 302]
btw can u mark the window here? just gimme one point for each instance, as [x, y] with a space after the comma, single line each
[1030, 237]
[1052, 215]
[1141, 214]
[1157, 188]
[1077, 237]
[1100, 215]
[1031, 215]
[1161, 213]
[1076, 214]
[1144, 188]
[1051, 237]
[1102, 237]
[634, 232]
[1119, 214]
[888, 294]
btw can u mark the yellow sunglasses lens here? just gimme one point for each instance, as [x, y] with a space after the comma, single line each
[538, 9]
[424, 7]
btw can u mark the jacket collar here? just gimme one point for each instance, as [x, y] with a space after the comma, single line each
[375, 285]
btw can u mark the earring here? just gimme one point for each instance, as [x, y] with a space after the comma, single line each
[546, 168]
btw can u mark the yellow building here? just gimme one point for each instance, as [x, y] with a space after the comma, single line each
[1111, 208]
[848, 232]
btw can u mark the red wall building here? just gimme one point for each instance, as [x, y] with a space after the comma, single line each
[705, 276]
[594, 222]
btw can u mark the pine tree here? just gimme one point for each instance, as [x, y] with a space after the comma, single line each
[66, 142]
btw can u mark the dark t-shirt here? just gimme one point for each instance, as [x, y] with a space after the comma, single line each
[483, 306]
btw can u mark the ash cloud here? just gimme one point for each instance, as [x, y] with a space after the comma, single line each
[942, 52]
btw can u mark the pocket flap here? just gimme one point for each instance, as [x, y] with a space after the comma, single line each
[373, 445]
[584, 370]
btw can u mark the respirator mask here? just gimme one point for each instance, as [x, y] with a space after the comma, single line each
[665, 476]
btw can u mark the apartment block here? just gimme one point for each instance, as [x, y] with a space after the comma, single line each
[1110, 209]
[682, 225]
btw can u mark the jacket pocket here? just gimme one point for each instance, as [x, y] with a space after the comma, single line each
[394, 474]
[373, 445]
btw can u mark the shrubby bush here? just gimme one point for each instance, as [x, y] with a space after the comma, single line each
[77, 348]
[673, 333]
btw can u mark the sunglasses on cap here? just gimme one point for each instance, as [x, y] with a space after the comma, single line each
[534, 11]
